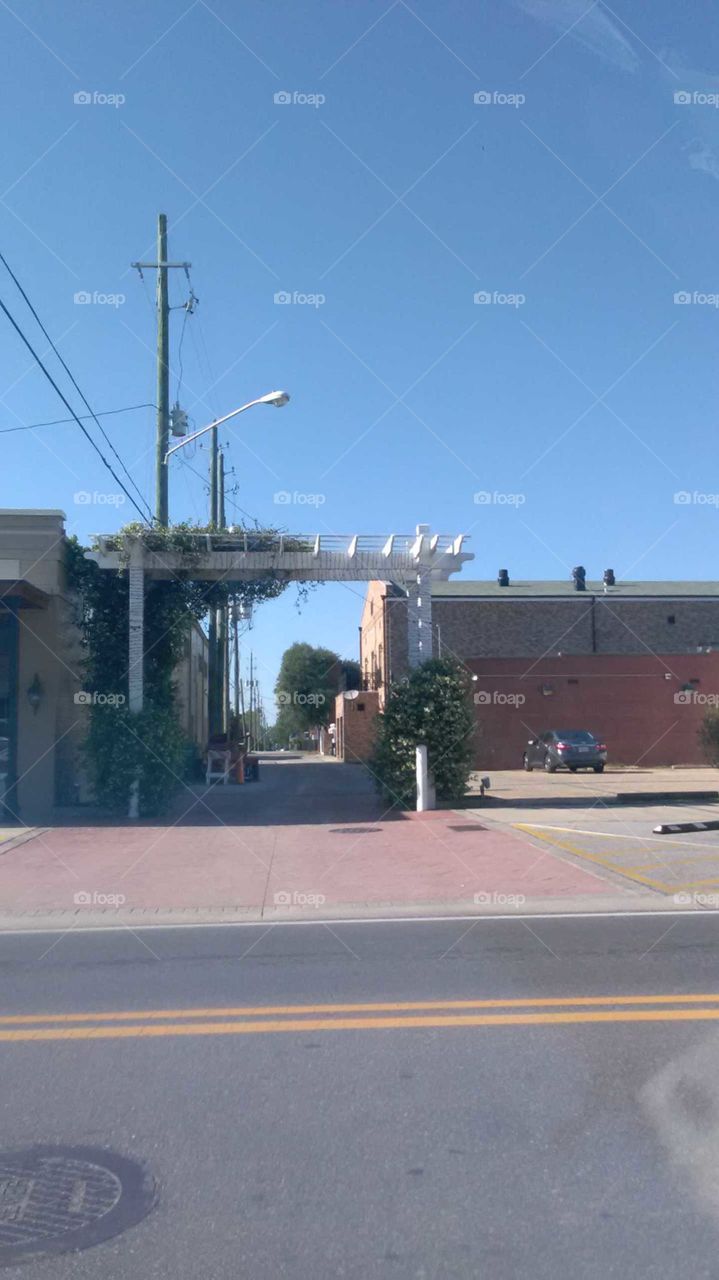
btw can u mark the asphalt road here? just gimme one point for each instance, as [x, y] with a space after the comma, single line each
[499, 1140]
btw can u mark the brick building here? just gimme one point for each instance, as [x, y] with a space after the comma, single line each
[637, 663]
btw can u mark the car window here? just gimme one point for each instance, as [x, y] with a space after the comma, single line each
[576, 735]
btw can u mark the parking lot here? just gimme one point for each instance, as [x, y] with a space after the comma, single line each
[593, 819]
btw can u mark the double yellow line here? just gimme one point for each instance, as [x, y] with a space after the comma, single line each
[133, 1024]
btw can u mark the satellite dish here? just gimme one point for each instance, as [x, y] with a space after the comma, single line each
[351, 694]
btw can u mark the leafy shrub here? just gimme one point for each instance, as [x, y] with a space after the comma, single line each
[122, 747]
[709, 736]
[432, 706]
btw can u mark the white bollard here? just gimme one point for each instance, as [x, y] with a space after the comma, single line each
[425, 786]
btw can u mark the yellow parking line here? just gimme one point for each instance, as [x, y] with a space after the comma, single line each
[596, 858]
[153, 1031]
[324, 1010]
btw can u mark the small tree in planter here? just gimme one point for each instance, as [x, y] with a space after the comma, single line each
[432, 706]
[709, 736]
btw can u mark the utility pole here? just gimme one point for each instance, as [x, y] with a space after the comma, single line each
[163, 365]
[163, 375]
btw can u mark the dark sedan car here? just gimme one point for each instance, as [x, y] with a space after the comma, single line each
[565, 748]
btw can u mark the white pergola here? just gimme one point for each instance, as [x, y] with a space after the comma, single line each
[411, 561]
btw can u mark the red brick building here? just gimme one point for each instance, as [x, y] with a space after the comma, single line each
[637, 663]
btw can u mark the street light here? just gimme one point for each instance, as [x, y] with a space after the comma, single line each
[276, 398]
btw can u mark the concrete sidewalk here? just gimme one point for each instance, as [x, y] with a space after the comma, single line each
[310, 840]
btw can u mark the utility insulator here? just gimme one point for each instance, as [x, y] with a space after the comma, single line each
[178, 420]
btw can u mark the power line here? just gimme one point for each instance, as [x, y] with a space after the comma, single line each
[68, 406]
[56, 422]
[83, 397]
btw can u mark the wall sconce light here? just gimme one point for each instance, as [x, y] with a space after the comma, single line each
[547, 690]
[35, 693]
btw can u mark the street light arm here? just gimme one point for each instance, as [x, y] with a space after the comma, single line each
[275, 397]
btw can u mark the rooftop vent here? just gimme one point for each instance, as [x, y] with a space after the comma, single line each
[609, 579]
[580, 576]
[503, 577]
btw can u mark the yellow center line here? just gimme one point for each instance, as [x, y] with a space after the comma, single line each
[324, 1010]
[153, 1030]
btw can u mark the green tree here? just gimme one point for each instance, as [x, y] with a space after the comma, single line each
[309, 680]
[432, 706]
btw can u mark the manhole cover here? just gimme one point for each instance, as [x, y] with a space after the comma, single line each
[57, 1199]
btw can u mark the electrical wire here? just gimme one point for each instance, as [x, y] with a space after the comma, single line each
[57, 422]
[75, 384]
[68, 406]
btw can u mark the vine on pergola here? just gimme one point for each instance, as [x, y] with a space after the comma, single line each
[120, 746]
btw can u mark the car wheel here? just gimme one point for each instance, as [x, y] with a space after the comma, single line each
[573, 768]
[549, 766]
[598, 768]
[527, 766]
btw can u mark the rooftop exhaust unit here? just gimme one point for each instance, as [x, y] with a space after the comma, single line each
[579, 575]
[609, 579]
[503, 577]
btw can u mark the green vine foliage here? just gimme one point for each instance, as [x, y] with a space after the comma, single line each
[120, 745]
[432, 706]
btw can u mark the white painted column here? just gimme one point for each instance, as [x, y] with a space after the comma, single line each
[419, 619]
[425, 785]
[136, 651]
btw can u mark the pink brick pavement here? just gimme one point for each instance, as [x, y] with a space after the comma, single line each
[305, 832]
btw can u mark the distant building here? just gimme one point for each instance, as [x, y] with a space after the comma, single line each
[637, 663]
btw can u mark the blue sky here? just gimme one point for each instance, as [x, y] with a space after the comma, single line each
[581, 190]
